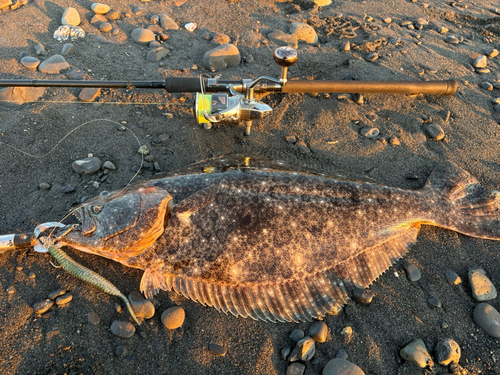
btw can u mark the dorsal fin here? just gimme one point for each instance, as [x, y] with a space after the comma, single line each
[294, 300]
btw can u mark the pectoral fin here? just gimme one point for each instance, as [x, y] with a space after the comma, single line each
[194, 203]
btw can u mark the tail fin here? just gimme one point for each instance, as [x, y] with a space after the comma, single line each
[473, 209]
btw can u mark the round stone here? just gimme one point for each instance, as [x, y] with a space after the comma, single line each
[480, 62]
[42, 306]
[93, 318]
[217, 349]
[100, 8]
[412, 272]
[173, 317]
[296, 368]
[64, 299]
[364, 296]
[435, 131]
[342, 354]
[30, 62]
[417, 353]
[105, 27]
[113, 15]
[221, 57]
[452, 277]
[122, 329]
[304, 350]
[452, 39]
[143, 36]
[297, 335]
[67, 49]
[482, 288]
[447, 351]
[483, 71]
[434, 301]
[318, 331]
[369, 132]
[303, 32]
[443, 30]
[121, 351]
[70, 17]
[372, 56]
[143, 308]
[44, 186]
[109, 165]
[87, 166]
[339, 366]
[53, 65]
[488, 318]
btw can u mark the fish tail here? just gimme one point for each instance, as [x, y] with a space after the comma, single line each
[470, 208]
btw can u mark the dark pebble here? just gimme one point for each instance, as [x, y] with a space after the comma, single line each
[488, 318]
[93, 318]
[69, 189]
[412, 272]
[364, 296]
[121, 351]
[56, 293]
[358, 98]
[304, 350]
[297, 335]
[296, 368]
[447, 351]
[452, 277]
[434, 301]
[44, 186]
[342, 354]
[87, 165]
[318, 331]
[217, 349]
[122, 329]
[285, 352]
[42, 306]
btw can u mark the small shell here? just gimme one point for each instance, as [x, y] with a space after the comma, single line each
[69, 32]
[190, 26]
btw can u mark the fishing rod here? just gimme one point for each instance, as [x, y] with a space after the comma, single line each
[220, 101]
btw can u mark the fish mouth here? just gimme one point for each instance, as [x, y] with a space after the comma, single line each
[87, 225]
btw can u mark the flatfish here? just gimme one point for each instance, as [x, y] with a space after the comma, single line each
[269, 243]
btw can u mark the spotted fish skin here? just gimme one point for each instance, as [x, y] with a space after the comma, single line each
[286, 246]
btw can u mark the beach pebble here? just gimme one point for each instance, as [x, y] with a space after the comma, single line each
[122, 329]
[417, 353]
[97, 18]
[285, 352]
[56, 293]
[221, 39]
[143, 150]
[53, 65]
[452, 39]
[483, 71]
[191, 26]
[452, 277]
[302, 146]
[318, 331]
[67, 49]
[221, 57]
[30, 62]
[486, 85]
[69, 189]
[372, 56]
[142, 307]
[283, 39]
[480, 62]
[93, 318]
[434, 301]
[447, 351]
[296, 368]
[369, 132]
[64, 299]
[492, 53]
[108, 165]
[303, 32]
[143, 36]
[105, 27]
[139, 11]
[443, 30]
[70, 17]
[44, 186]
[304, 350]
[497, 108]
[364, 296]
[342, 354]
[488, 318]
[99, 8]
[297, 335]
[322, 3]
[339, 366]
[42, 306]
[168, 23]
[157, 54]
[113, 15]
[412, 272]
[88, 94]
[121, 351]
[346, 46]
[11, 290]
[40, 49]
[217, 349]
[435, 131]
[482, 288]
[87, 165]
[394, 141]
[173, 317]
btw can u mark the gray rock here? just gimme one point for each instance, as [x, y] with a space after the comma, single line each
[42, 306]
[105, 27]
[67, 49]
[364, 296]
[285, 352]
[435, 131]
[486, 85]
[87, 166]
[342, 354]
[304, 350]
[434, 301]
[452, 277]
[69, 189]
[412, 272]
[142, 307]
[40, 49]
[143, 36]
[70, 17]
[339, 366]
[44, 186]
[447, 351]
[56, 293]
[168, 23]
[154, 44]
[217, 349]
[157, 54]
[372, 56]
[121, 351]
[14, 96]
[53, 65]
[30, 62]
[303, 32]
[358, 98]
[297, 335]
[139, 11]
[452, 39]
[497, 108]
[480, 62]
[318, 331]
[122, 329]
[93, 318]
[417, 353]
[482, 288]
[113, 15]
[369, 132]
[88, 94]
[302, 146]
[100, 8]
[222, 57]
[282, 39]
[488, 318]
[108, 165]
[296, 368]
[173, 317]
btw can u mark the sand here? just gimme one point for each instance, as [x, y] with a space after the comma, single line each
[327, 133]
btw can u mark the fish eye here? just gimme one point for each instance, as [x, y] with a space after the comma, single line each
[97, 208]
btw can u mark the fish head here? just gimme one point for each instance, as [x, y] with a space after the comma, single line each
[120, 225]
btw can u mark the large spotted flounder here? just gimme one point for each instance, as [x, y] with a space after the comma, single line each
[270, 244]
